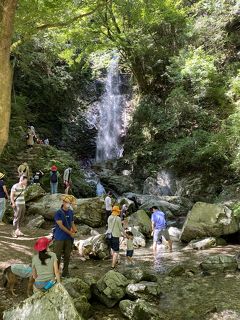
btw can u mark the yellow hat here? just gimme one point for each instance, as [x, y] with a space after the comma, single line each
[116, 210]
[69, 198]
[1, 175]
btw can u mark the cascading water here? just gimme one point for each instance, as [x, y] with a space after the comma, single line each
[111, 121]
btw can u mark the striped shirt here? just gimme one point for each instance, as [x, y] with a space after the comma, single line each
[18, 193]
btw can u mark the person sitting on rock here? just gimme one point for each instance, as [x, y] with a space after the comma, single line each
[115, 228]
[159, 228]
[65, 231]
[44, 266]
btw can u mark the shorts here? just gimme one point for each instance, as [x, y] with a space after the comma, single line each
[114, 243]
[158, 233]
[129, 253]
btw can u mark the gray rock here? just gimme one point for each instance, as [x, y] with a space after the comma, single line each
[177, 270]
[33, 192]
[35, 222]
[137, 274]
[142, 221]
[174, 233]
[144, 289]
[54, 304]
[139, 310]
[80, 293]
[219, 263]
[202, 244]
[164, 184]
[209, 220]
[96, 246]
[111, 288]
[45, 206]
[118, 183]
[90, 211]
[171, 205]
[84, 230]
[224, 315]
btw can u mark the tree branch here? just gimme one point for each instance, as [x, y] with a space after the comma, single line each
[66, 23]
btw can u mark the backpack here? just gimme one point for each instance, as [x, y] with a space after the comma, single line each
[54, 177]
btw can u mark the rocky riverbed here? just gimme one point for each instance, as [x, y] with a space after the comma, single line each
[187, 290]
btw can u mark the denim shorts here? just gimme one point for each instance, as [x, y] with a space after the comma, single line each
[158, 233]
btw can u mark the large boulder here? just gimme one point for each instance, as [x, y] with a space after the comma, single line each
[45, 206]
[209, 220]
[90, 211]
[140, 309]
[201, 244]
[80, 293]
[142, 221]
[171, 205]
[95, 246]
[35, 222]
[111, 288]
[162, 185]
[33, 192]
[118, 183]
[54, 304]
[144, 289]
[219, 263]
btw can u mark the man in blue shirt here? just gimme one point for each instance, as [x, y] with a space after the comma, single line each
[64, 232]
[159, 228]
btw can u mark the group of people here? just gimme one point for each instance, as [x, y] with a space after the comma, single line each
[67, 179]
[46, 264]
[117, 227]
[31, 137]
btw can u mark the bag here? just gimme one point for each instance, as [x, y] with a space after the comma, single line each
[49, 285]
[54, 177]
[108, 235]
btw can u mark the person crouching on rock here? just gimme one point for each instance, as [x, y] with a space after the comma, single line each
[115, 228]
[65, 231]
[44, 266]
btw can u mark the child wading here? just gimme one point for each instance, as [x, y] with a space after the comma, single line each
[129, 253]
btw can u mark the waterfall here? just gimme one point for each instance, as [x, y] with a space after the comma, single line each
[111, 119]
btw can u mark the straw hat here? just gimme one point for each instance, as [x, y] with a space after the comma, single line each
[42, 244]
[69, 198]
[116, 210]
[1, 175]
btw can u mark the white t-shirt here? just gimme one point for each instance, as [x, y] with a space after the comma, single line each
[108, 203]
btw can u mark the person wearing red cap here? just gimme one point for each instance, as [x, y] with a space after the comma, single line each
[54, 174]
[44, 265]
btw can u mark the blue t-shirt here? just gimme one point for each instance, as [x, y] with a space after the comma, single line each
[67, 219]
[2, 193]
[158, 218]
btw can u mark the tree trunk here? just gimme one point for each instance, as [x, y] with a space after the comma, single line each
[7, 13]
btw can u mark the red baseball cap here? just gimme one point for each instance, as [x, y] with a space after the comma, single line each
[42, 244]
[54, 168]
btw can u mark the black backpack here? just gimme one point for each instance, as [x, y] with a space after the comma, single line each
[54, 177]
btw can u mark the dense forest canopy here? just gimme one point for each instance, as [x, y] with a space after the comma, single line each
[183, 59]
